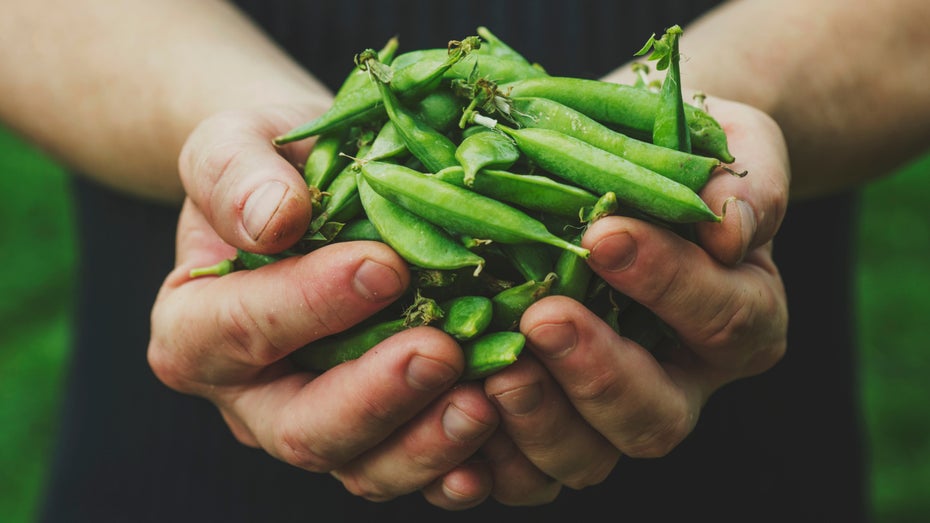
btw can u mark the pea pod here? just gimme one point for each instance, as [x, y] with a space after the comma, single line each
[485, 150]
[627, 106]
[360, 229]
[364, 103]
[600, 171]
[691, 170]
[532, 260]
[466, 317]
[670, 128]
[574, 276]
[339, 348]
[458, 209]
[418, 241]
[431, 147]
[510, 304]
[538, 193]
[491, 353]
[324, 160]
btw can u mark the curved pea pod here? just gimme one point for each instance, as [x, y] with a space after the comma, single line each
[537, 193]
[533, 261]
[574, 276]
[324, 160]
[622, 105]
[488, 149]
[510, 304]
[601, 172]
[606, 205]
[670, 128]
[364, 103]
[359, 77]
[416, 240]
[457, 209]
[440, 109]
[466, 317]
[360, 229]
[351, 344]
[491, 353]
[493, 45]
[691, 170]
[341, 202]
[432, 148]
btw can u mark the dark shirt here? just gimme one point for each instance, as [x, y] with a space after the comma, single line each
[783, 446]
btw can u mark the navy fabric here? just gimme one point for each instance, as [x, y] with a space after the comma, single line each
[784, 446]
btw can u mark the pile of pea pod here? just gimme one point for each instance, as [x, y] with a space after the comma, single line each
[482, 170]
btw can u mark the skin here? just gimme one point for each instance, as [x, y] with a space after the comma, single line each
[210, 141]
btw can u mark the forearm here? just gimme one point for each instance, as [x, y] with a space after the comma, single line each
[847, 84]
[114, 88]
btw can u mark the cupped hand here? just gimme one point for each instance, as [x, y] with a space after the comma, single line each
[392, 422]
[586, 395]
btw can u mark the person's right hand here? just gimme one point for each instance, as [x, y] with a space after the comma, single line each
[392, 422]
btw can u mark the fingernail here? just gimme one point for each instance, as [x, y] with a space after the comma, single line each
[553, 340]
[261, 206]
[427, 374]
[521, 400]
[747, 225]
[614, 253]
[375, 281]
[460, 426]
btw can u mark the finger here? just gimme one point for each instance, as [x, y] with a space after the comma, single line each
[322, 423]
[517, 481]
[220, 331]
[729, 316]
[547, 428]
[643, 409]
[465, 486]
[436, 442]
[249, 190]
[753, 204]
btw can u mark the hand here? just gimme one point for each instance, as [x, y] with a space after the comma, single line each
[586, 395]
[392, 422]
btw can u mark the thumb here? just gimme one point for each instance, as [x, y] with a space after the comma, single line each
[249, 191]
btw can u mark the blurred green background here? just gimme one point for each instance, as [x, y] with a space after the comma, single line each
[893, 288]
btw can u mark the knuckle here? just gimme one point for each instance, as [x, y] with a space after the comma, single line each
[660, 439]
[292, 445]
[247, 335]
[590, 476]
[363, 487]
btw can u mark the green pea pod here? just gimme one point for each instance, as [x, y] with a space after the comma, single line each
[600, 171]
[358, 77]
[485, 150]
[574, 276]
[341, 202]
[417, 241]
[351, 344]
[432, 148]
[364, 103]
[440, 109]
[605, 206]
[324, 160]
[360, 229]
[497, 47]
[466, 317]
[458, 209]
[533, 261]
[510, 304]
[670, 128]
[491, 353]
[691, 170]
[537, 193]
[622, 105]
[243, 260]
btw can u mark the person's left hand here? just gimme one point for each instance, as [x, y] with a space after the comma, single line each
[584, 395]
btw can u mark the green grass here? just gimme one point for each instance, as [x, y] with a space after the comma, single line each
[38, 251]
